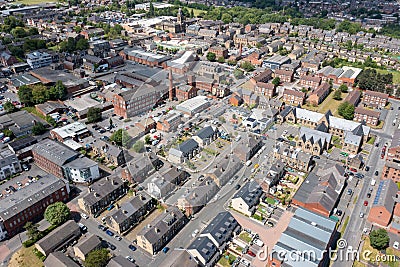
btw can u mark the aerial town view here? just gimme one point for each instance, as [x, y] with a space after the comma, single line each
[247, 133]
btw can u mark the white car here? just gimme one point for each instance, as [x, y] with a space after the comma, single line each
[118, 237]
[396, 245]
[84, 216]
[361, 215]
[129, 258]
[195, 232]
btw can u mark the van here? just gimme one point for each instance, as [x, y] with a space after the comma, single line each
[248, 163]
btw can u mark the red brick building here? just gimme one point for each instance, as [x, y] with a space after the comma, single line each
[284, 75]
[383, 204]
[318, 95]
[310, 81]
[219, 51]
[370, 117]
[293, 97]
[185, 92]
[29, 203]
[375, 99]
[266, 89]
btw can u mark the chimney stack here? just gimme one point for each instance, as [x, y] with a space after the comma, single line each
[171, 87]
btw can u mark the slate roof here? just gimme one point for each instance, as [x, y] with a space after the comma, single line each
[250, 193]
[55, 151]
[205, 133]
[205, 247]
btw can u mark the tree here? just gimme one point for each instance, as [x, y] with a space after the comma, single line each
[222, 119]
[51, 121]
[82, 44]
[221, 60]
[138, 146]
[238, 73]
[247, 66]
[57, 213]
[120, 137]
[25, 95]
[58, 91]
[8, 133]
[97, 258]
[337, 95]
[39, 93]
[346, 110]
[343, 88]
[147, 139]
[32, 230]
[211, 56]
[38, 128]
[276, 81]
[379, 239]
[93, 115]
[9, 107]
[110, 122]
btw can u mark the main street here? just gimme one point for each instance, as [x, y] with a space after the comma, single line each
[356, 224]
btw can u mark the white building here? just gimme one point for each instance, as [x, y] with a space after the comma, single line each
[194, 105]
[38, 59]
[82, 170]
[9, 163]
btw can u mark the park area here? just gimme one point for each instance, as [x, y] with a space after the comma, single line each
[25, 257]
[328, 104]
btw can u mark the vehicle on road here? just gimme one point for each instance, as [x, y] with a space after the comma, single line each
[132, 247]
[110, 207]
[396, 245]
[365, 203]
[369, 195]
[165, 249]
[361, 215]
[339, 213]
[373, 181]
[111, 246]
[195, 232]
[102, 227]
[129, 258]
[109, 232]
[248, 163]
[237, 187]
[258, 242]
[118, 237]
[349, 191]
[82, 227]
[271, 224]
[366, 168]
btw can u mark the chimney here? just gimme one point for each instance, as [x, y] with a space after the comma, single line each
[240, 49]
[171, 87]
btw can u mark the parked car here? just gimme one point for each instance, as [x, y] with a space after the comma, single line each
[369, 195]
[365, 203]
[339, 212]
[111, 246]
[396, 245]
[237, 186]
[349, 191]
[102, 227]
[109, 232]
[165, 249]
[118, 237]
[129, 258]
[366, 168]
[84, 216]
[251, 253]
[132, 247]
[83, 227]
[376, 173]
[361, 215]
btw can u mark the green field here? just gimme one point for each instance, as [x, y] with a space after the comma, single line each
[196, 12]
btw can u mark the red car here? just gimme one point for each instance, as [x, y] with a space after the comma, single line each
[251, 253]
[353, 170]
[365, 203]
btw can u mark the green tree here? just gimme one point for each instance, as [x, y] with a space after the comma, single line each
[147, 139]
[337, 95]
[276, 81]
[379, 239]
[221, 60]
[346, 110]
[343, 88]
[120, 137]
[39, 93]
[238, 73]
[25, 95]
[38, 128]
[97, 258]
[58, 91]
[247, 66]
[82, 44]
[8, 133]
[93, 115]
[222, 119]
[32, 230]
[211, 56]
[57, 213]
[9, 107]
[138, 147]
[50, 120]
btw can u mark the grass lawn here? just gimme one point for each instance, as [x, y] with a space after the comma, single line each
[270, 201]
[371, 140]
[389, 252]
[227, 261]
[25, 258]
[196, 12]
[328, 104]
[245, 237]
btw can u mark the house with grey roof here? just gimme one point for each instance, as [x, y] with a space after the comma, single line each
[86, 245]
[140, 167]
[204, 251]
[59, 237]
[102, 194]
[131, 212]
[184, 151]
[197, 197]
[59, 259]
[307, 231]
[112, 154]
[206, 136]
[293, 158]
[320, 193]
[224, 169]
[163, 183]
[153, 237]
[248, 147]
[313, 141]
[247, 198]
[221, 229]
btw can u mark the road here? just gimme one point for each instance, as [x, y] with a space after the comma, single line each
[355, 226]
